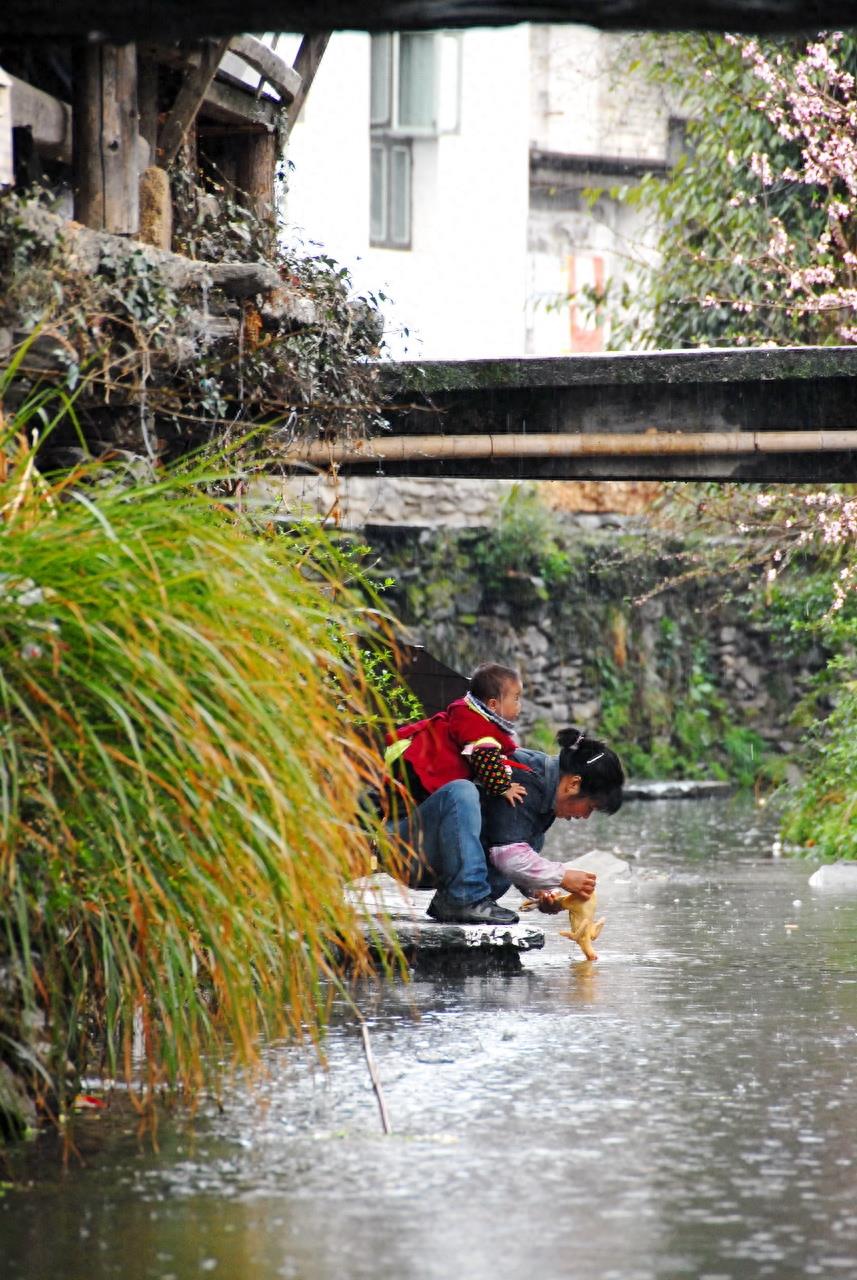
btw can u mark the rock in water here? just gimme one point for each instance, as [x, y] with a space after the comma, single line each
[606, 866]
[840, 877]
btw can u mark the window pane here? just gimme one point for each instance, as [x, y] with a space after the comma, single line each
[417, 81]
[382, 66]
[400, 195]
[378, 200]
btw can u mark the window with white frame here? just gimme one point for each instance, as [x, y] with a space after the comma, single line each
[390, 212]
[415, 80]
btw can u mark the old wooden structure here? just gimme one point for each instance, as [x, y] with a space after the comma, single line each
[107, 111]
[106, 121]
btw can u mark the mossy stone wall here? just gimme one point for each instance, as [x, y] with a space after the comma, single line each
[687, 682]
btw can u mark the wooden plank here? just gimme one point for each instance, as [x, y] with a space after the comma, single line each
[254, 178]
[227, 99]
[233, 105]
[269, 64]
[86, 135]
[189, 99]
[50, 121]
[104, 131]
[47, 117]
[119, 124]
[309, 56]
[22, 20]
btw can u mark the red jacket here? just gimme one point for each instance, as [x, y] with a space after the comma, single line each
[436, 746]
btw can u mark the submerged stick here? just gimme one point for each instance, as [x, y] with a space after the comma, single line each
[373, 1073]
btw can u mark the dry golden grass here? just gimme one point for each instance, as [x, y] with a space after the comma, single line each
[181, 766]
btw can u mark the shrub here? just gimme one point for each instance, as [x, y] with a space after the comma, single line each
[523, 555]
[181, 767]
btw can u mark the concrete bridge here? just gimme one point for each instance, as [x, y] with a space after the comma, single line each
[771, 414]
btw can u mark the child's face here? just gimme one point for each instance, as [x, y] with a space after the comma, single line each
[508, 705]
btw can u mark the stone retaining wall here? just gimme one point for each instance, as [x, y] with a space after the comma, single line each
[668, 658]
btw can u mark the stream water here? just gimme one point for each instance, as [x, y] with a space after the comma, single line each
[685, 1107]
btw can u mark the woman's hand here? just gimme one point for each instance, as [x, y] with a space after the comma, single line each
[580, 883]
[515, 793]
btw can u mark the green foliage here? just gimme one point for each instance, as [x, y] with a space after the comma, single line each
[396, 700]
[181, 363]
[523, 557]
[712, 280]
[788, 557]
[541, 737]
[687, 730]
[181, 771]
[823, 815]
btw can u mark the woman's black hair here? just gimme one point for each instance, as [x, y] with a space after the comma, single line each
[599, 769]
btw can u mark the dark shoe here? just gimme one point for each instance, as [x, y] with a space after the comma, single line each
[487, 911]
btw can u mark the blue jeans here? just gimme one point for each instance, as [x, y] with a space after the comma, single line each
[444, 830]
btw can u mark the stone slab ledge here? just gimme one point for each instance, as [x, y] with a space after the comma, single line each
[678, 789]
[395, 916]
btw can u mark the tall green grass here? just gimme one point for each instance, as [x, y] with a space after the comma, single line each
[181, 766]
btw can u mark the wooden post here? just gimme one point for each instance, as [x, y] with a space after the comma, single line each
[188, 100]
[147, 92]
[104, 120]
[257, 162]
[309, 56]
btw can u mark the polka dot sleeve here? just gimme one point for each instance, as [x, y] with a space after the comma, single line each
[489, 771]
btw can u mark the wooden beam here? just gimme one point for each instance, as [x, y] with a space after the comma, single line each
[147, 95]
[47, 117]
[307, 62]
[269, 64]
[226, 102]
[189, 99]
[22, 20]
[104, 152]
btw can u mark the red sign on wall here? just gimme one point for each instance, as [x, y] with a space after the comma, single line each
[582, 270]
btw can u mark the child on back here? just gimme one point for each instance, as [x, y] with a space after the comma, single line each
[473, 738]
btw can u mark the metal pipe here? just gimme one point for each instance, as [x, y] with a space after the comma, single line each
[549, 445]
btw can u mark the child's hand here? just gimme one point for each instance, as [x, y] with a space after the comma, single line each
[515, 793]
[546, 901]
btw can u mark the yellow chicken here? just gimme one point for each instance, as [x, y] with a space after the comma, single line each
[581, 917]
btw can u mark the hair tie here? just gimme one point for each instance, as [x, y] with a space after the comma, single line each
[580, 736]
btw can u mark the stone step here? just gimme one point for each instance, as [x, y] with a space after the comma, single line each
[394, 916]
[678, 789]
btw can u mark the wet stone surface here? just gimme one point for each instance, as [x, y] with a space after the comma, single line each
[395, 916]
[684, 1107]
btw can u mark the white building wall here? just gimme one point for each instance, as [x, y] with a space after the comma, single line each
[327, 200]
[585, 104]
[461, 287]
[490, 270]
